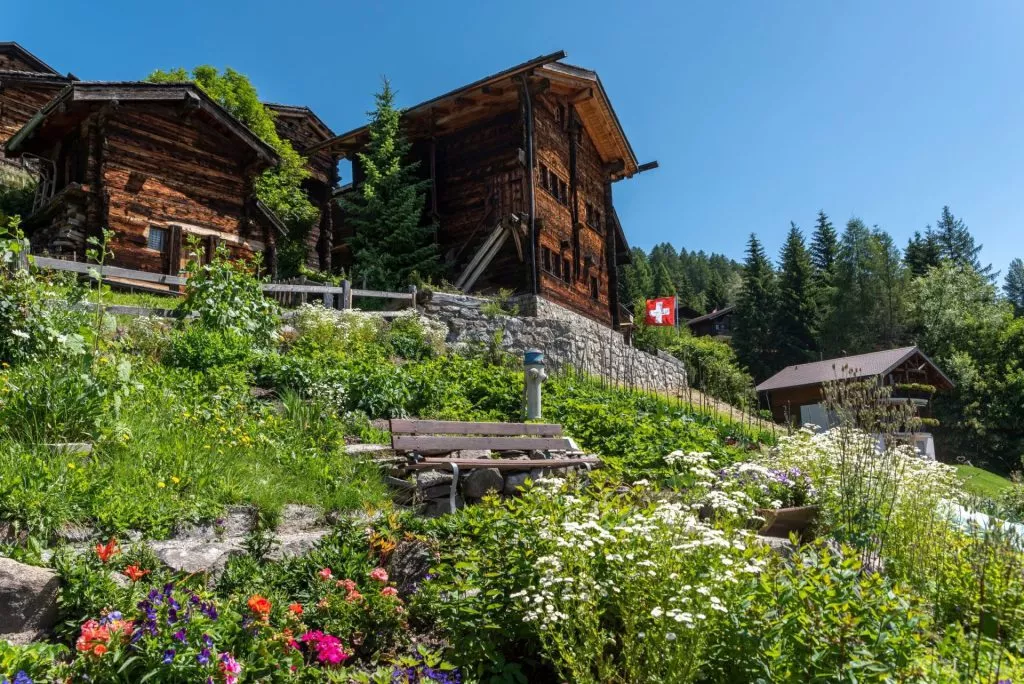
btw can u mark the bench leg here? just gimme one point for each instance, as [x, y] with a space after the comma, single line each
[455, 486]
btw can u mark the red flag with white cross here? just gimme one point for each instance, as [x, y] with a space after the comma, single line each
[661, 311]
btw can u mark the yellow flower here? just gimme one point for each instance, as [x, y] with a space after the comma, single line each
[71, 466]
[175, 479]
[161, 485]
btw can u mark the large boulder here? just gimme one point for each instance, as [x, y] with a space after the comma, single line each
[28, 601]
[409, 564]
[193, 556]
[483, 481]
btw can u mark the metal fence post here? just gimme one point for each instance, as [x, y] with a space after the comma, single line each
[412, 290]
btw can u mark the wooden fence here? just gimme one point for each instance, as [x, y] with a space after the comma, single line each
[291, 293]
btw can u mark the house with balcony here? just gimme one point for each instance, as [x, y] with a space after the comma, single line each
[796, 394]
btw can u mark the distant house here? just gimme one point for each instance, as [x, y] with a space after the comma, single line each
[795, 394]
[154, 163]
[26, 84]
[718, 323]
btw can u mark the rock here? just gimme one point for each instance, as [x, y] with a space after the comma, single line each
[296, 544]
[195, 556]
[783, 547]
[76, 534]
[28, 600]
[471, 453]
[10, 534]
[482, 481]
[432, 478]
[537, 455]
[370, 450]
[297, 518]
[514, 482]
[237, 521]
[409, 564]
[435, 508]
[288, 333]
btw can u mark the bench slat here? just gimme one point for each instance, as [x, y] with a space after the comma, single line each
[451, 427]
[503, 464]
[425, 443]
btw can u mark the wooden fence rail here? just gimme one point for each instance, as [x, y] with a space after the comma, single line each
[291, 293]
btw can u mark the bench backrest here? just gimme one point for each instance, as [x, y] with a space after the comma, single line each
[446, 436]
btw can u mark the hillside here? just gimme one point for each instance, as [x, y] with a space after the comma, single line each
[223, 526]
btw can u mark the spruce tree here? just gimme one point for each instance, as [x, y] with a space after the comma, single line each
[1014, 286]
[847, 328]
[796, 316]
[890, 280]
[922, 253]
[753, 337]
[663, 285]
[717, 295]
[824, 249]
[391, 244]
[637, 280]
[956, 244]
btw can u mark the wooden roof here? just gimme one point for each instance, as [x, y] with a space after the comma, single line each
[869, 365]
[298, 111]
[717, 313]
[188, 94]
[470, 103]
[37, 65]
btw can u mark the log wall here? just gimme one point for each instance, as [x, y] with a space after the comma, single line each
[19, 101]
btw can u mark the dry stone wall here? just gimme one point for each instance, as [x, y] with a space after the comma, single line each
[565, 337]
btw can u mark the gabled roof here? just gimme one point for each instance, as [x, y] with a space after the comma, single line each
[38, 65]
[299, 111]
[854, 367]
[138, 91]
[717, 313]
[590, 99]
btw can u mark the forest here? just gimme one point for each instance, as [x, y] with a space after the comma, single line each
[854, 290]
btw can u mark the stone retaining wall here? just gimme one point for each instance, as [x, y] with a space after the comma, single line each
[566, 338]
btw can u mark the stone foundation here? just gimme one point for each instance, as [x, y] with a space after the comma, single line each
[567, 339]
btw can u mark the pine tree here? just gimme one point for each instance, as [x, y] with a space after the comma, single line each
[637, 280]
[824, 249]
[663, 285]
[956, 244]
[753, 336]
[1014, 286]
[717, 295]
[922, 253]
[391, 245]
[890, 279]
[796, 316]
[847, 328]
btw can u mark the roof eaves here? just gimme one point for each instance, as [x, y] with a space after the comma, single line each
[27, 56]
[301, 110]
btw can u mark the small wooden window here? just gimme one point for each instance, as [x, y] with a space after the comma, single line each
[595, 288]
[566, 270]
[557, 263]
[544, 176]
[546, 258]
[157, 239]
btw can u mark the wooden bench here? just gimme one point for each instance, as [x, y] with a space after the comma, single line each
[429, 443]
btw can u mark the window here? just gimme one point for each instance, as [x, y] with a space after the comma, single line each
[544, 178]
[157, 238]
[560, 114]
[563, 192]
[566, 271]
[554, 185]
[594, 217]
[546, 258]
[595, 288]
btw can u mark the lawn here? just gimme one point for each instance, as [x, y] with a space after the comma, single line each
[982, 482]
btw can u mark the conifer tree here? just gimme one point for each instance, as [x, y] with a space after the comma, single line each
[637, 280]
[753, 337]
[796, 316]
[1014, 286]
[391, 245]
[922, 253]
[663, 285]
[956, 244]
[717, 294]
[824, 249]
[852, 293]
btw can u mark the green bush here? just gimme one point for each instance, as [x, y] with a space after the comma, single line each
[200, 348]
[46, 402]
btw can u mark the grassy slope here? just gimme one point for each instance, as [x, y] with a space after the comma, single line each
[982, 482]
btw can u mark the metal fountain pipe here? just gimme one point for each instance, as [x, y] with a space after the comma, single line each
[534, 377]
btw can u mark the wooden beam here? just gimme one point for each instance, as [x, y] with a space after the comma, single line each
[425, 443]
[582, 96]
[504, 463]
[454, 427]
[617, 166]
[492, 90]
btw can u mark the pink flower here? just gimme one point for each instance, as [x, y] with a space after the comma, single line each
[230, 667]
[389, 591]
[328, 648]
[325, 573]
[379, 575]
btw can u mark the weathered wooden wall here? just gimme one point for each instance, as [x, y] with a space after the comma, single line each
[785, 403]
[564, 222]
[10, 61]
[19, 101]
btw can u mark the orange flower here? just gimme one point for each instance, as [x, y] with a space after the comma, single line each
[93, 638]
[296, 608]
[135, 573]
[99, 649]
[260, 606]
[106, 551]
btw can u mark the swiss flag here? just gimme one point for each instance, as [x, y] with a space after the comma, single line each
[661, 311]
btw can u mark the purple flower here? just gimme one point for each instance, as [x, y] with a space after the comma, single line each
[21, 678]
[208, 641]
[169, 656]
[209, 610]
[110, 617]
[203, 657]
[180, 635]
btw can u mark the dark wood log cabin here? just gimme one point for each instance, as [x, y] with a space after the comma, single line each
[522, 165]
[26, 84]
[304, 129]
[155, 163]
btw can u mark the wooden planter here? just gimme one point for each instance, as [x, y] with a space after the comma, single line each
[780, 522]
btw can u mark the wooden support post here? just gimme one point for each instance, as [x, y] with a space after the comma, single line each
[328, 300]
[412, 289]
[346, 294]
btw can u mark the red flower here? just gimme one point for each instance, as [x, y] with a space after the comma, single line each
[259, 606]
[296, 608]
[389, 591]
[380, 575]
[135, 573]
[106, 551]
[325, 573]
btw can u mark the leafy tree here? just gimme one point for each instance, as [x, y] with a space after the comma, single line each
[280, 188]
[797, 311]
[663, 285]
[956, 244]
[922, 253]
[637, 278]
[755, 310]
[1014, 286]
[391, 245]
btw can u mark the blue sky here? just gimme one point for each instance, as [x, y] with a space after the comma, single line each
[759, 112]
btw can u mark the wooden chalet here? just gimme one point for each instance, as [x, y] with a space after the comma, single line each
[26, 84]
[795, 394]
[304, 129]
[522, 165]
[155, 163]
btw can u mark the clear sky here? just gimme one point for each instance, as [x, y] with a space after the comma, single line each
[759, 112]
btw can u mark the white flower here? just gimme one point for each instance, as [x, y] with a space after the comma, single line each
[657, 612]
